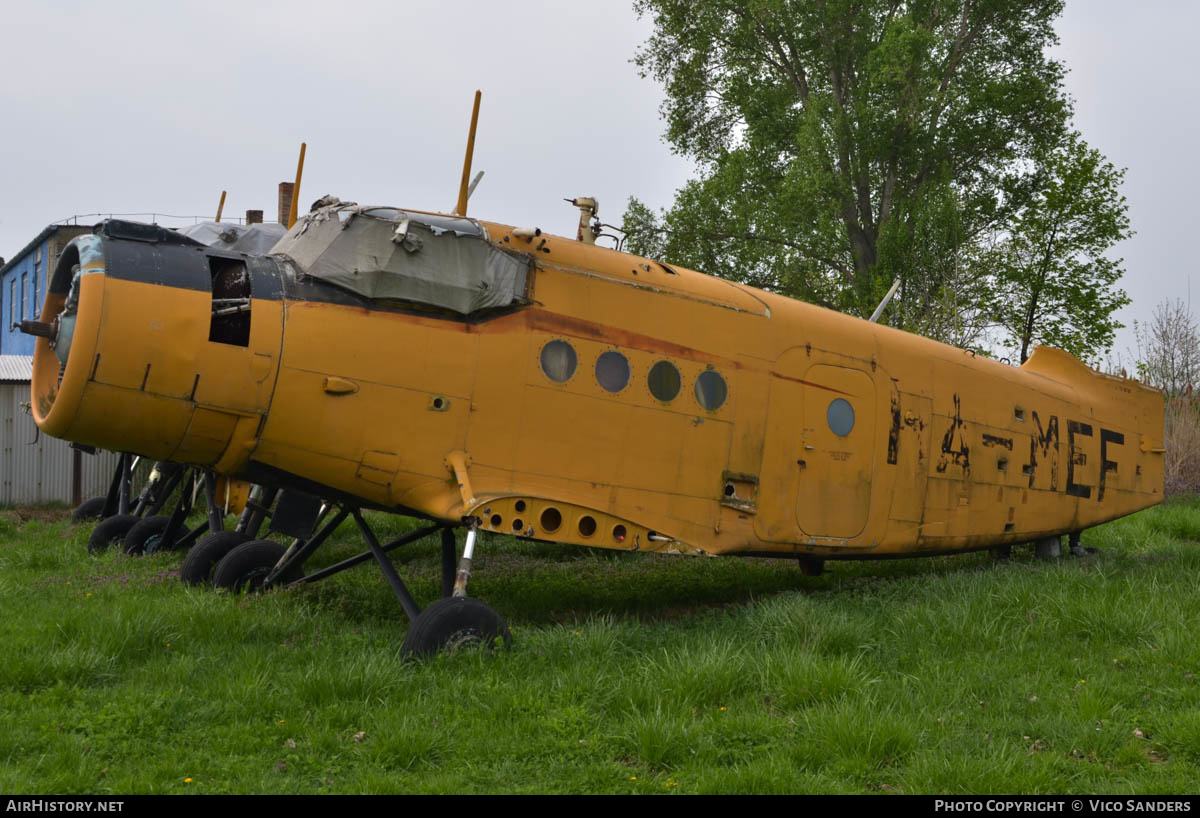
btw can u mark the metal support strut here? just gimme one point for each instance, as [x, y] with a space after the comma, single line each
[117, 500]
[1077, 550]
[216, 517]
[366, 557]
[300, 550]
[411, 609]
[449, 558]
[126, 488]
[464, 565]
[178, 519]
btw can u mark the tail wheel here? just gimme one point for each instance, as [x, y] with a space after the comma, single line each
[90, 509]
[110, 531]
[812, 566]
[456, 624]
[198, 565]
[246, 567]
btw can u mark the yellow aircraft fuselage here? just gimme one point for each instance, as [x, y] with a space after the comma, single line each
[624, 404]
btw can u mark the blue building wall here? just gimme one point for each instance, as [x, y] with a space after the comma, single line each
[23, 285]
[24, 277]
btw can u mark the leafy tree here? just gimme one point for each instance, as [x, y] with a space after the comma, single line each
[845, 143]
[1054, 284]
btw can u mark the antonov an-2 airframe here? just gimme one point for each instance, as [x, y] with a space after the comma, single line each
[496, 377]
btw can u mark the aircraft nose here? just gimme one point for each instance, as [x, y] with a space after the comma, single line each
[145, 344]
[76, 282]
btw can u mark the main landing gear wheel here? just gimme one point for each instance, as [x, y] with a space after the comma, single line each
[247, 566]
[92, 509]
[198, 565]
[112, 530]
[453, 624]
[146, 537]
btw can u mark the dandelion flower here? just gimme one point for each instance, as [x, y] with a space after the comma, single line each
[187, 781]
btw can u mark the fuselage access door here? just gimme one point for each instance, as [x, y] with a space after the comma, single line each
[834, 500]
[818, 452]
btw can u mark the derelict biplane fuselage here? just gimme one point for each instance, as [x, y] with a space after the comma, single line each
[475, 373]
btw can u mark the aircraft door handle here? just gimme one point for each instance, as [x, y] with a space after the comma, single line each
[340, 386]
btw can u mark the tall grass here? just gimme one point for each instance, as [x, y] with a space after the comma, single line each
[629, 673]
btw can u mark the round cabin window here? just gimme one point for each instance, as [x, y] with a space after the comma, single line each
[710, 390]
[558, 361]
[664, 381]
[612, 371]
[840, 417]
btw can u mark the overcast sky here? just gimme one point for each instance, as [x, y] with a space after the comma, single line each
[138, 107]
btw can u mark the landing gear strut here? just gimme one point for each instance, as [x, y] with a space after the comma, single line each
[454, 622]
[1078, 550]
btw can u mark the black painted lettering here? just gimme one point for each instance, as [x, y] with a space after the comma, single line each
[894, 433]
[1074, 427]
[1047, 441]
[1107, 436]
[960, 456]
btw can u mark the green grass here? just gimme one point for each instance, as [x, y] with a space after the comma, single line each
[629, 673]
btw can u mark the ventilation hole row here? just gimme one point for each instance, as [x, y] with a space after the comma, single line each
[551, 520]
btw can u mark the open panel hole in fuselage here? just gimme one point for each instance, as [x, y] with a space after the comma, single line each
[230, 301]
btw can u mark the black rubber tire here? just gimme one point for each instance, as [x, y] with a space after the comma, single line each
[453, 624]
[110, 531]
[146, 537]
[246, 566]
[198, 565]
[88, 510]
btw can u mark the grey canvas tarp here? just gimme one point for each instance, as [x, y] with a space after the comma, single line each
[255, 239]
[388, 254]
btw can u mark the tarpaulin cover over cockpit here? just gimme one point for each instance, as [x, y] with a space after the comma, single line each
[387, 254]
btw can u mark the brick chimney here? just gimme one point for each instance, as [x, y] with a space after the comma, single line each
[285, 201]
[254, 217]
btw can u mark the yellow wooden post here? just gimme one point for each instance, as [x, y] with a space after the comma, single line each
[296, 186]
[463, 193]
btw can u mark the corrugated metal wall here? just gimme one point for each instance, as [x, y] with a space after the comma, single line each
[41, 472]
